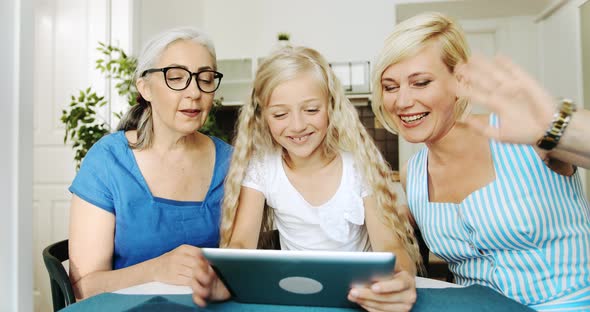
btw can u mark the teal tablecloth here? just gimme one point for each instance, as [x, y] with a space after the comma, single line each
[472, 298]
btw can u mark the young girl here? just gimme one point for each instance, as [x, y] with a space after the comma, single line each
[301, 149]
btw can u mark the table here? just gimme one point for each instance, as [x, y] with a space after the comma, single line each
[433, 296]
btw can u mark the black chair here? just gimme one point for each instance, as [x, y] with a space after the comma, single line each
[424, 252]
[62, 293]
[433, 270]
[269, 240]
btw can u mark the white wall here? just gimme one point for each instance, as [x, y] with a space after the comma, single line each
[560, 52]
[16, 36]
[515, 37]
[152, 16]
[342, 30]
[561, 56]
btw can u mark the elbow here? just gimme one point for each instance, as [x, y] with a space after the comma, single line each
[80, 290]
[237, 245]
[84, 286]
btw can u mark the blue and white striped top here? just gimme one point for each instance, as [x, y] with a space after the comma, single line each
[526, 234]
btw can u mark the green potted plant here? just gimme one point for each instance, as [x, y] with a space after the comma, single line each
[83, 124]
[284, 36]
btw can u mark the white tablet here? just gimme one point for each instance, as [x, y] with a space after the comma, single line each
[311, 278]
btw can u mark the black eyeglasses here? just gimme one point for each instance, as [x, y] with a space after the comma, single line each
[179, 78]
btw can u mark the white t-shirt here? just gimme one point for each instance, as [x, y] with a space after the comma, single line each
[337, 225]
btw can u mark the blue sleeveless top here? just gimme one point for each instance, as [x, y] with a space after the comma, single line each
[147, 226]
[526, 234]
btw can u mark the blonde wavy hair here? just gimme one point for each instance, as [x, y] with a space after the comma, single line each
[408, 39]
[345, 133]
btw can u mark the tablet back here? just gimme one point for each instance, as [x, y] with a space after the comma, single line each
[316, 278]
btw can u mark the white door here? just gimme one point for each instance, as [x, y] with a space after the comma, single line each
[66, 35]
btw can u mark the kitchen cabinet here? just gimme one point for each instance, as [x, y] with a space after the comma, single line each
[238, 77]
[236, 84]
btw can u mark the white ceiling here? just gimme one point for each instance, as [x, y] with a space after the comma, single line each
[474, 9]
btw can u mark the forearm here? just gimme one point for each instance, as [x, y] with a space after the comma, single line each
[404, 262]
[108, 281]
[242, 244]
[570, 158]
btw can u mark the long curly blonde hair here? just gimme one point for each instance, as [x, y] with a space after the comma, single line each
[345, 133]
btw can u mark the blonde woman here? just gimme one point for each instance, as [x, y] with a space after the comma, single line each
[502, 215]
[302, 150]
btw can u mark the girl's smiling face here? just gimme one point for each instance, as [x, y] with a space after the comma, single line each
[297, 115]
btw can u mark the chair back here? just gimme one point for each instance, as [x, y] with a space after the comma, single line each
[269, 240]
[62, 293]
[424, 251]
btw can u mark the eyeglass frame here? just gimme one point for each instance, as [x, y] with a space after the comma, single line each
[216, 75]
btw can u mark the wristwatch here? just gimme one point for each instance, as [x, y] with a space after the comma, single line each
[560, 121]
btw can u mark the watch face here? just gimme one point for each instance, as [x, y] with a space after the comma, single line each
[568, 106]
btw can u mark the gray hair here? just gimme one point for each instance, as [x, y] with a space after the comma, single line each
[139, 116]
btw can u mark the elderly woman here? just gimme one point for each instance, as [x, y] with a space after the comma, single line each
[147, 195]
[511, 217]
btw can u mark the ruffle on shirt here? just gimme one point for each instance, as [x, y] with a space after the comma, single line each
[340, 215]
[338, 224]
[254, 176]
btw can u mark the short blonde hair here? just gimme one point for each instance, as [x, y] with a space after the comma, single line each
[408, 39]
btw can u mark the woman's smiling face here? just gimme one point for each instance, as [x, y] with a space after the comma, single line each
[419, 94]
